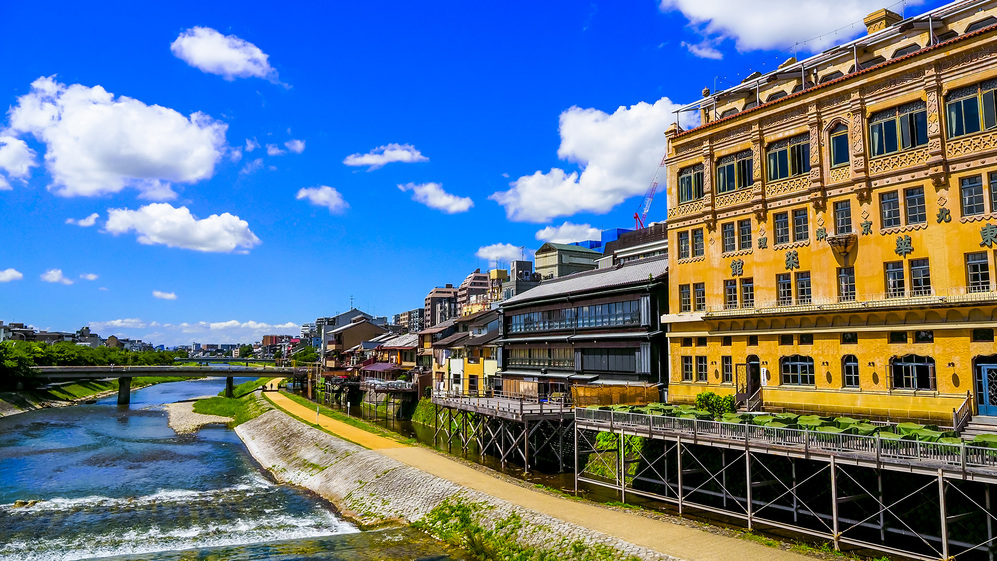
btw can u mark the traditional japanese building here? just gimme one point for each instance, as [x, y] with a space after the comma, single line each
[833, 227]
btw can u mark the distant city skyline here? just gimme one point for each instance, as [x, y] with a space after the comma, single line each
[204, 173]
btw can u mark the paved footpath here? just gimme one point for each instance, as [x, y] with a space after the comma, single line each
[662, 536]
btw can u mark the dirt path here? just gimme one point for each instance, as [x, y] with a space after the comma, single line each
[662, 536]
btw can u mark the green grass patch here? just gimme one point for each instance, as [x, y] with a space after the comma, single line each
[241, 408]
[425, 412]
[759, 539]
[456, 522]
[353, 422]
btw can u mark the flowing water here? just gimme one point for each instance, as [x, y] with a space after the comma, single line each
[107, 480]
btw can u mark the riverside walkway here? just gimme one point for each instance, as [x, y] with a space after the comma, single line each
[672, 539]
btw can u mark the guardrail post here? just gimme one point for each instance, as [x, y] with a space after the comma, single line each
[623, 469]
[575, 431]
[747, 476]
[678, 448]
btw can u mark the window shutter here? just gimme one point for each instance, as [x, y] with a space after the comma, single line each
[644, 359]
[578, 360]
[645, 309]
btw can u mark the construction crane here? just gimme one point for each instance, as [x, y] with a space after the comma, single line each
[641, 215]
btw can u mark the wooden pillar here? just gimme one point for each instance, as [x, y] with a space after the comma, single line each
[575, 431]
[526, 446]
[124, 390]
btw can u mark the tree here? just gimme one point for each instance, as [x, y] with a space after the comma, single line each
[245, 351]
[307, 354]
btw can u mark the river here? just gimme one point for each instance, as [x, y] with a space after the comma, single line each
[116, 481]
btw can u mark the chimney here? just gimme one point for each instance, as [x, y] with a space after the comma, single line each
[880, 20]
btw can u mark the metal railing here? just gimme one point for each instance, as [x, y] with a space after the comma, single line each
[910, 297]
[909, 452]
[506, 402]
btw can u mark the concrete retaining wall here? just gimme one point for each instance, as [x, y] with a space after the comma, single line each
[373, 489]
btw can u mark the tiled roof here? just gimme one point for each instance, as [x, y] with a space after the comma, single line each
[482, 339]
[569, 247]
[451, 340]
[633, 273]
[381, 367]
[405, 341]
[439, 327]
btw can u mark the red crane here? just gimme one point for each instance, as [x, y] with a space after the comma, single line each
[641, 215]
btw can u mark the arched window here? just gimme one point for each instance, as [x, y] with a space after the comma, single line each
[729, 112]
[850, 371]
[912, 48]
[797, 370]
[839, 145]
[775, 96]
[831, 76]
[913, 372]
[985, 22]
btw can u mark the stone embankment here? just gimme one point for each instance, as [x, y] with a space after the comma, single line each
[374, 489]
[183, 419]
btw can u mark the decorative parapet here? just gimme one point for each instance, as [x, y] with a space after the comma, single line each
[970, 145]
[734, 198]
[791, 185]
[685, 209]
[839, 175]
[897, 162]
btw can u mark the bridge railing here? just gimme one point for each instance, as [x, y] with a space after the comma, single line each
[897, 451]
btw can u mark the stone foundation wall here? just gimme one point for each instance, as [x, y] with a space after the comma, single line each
[373, 489]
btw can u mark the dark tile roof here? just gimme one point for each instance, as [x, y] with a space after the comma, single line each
[451, 340]
[633, 273]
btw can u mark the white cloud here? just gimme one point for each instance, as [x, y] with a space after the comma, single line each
[252, 166]
[618, 154]
[568, 232]
[164, 295]
[433, 196]
[84, 222]
[777, 24]
[405, 153]
[499, 252]
[235, 155]
[55, 275]
[326, 196]
[10, 275]
[295, 145]
[16, 159]
[232, 331]
[89, 276]
[225, 55]
[703, 49]
[274, 150]
[251, 144]
[96, 144]
[163, 224]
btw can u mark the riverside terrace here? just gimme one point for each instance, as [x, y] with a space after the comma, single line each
[923, 500]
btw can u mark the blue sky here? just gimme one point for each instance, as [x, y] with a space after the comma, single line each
[254, 165]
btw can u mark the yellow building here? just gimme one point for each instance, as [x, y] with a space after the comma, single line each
[833, 227]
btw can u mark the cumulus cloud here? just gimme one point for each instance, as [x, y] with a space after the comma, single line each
[164, 295]
[568, 232]
[274, 150]
[55, 275]
[499, 252]
[618, 154]
[16, 159]
[295, 145]
[10, 275]
[703, 49]
[172, 334]
[98, 144]
[164, 224]
[225, 55]
[324, 195]
[89, 276]
[378, 157]
[776, 24]
[433, 196]
[252, 166]
[251, 144]
[84, 222]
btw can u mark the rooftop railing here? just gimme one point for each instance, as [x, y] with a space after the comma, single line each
[908, 452]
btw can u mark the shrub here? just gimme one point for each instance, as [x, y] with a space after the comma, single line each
[715, 404]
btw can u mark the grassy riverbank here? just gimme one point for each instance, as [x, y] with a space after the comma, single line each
[88, 388]
[241, 408]
[341, 417]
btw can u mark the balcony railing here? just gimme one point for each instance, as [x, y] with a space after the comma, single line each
[907, 452]
[891, 299]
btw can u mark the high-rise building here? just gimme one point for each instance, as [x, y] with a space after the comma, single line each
[441, 305]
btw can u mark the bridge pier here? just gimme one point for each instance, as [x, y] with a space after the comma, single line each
[124, 390]
[229, 388]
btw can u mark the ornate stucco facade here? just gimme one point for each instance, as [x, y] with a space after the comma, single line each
[833, 229]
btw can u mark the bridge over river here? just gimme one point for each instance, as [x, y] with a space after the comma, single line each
[124, 374]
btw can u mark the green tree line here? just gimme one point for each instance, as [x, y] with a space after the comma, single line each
[18, 357]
